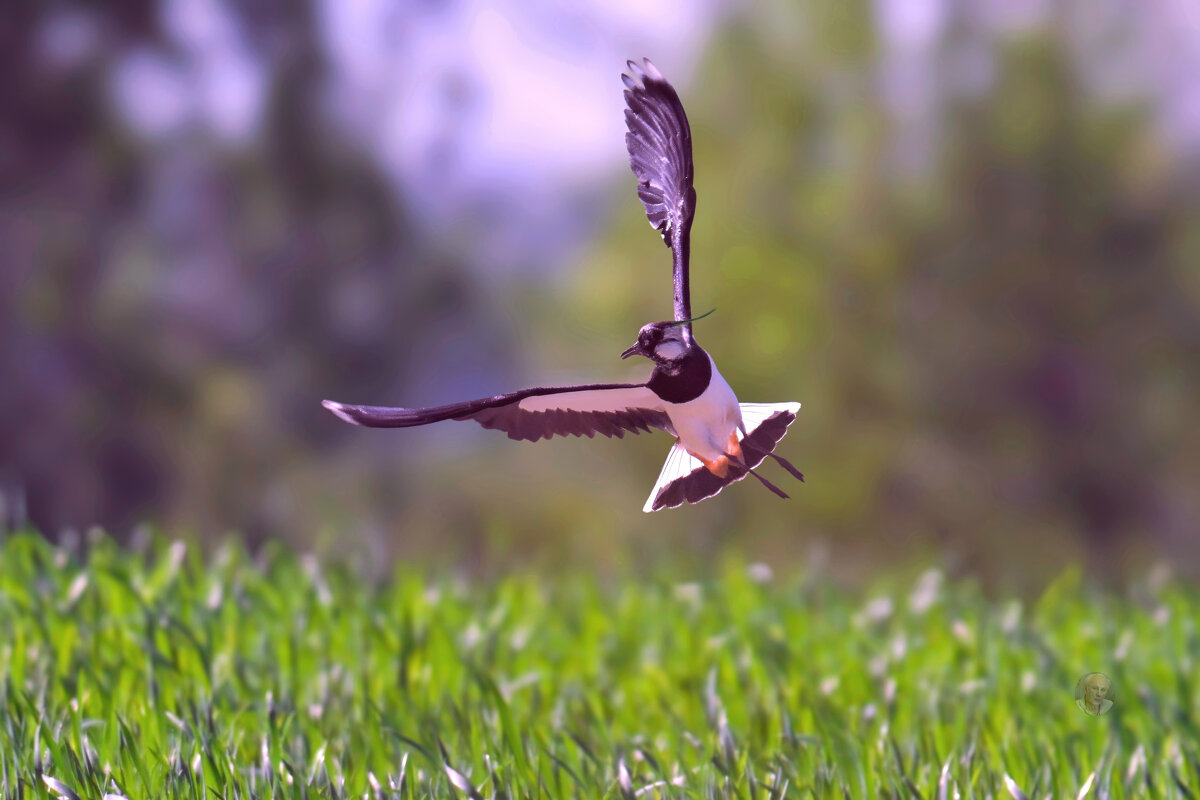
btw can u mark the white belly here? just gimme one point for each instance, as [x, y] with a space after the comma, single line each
[703, 425]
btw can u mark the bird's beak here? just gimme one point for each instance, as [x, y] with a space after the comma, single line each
[633, 351]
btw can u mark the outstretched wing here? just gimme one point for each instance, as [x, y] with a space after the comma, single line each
[609, 409]
[660, 153]
[685, 479]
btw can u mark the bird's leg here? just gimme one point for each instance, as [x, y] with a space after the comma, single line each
[768, 484]
[788, 466]
[740, 462]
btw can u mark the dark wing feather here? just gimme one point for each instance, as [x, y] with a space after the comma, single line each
[700, 483]
[660, 154]
[609, 409]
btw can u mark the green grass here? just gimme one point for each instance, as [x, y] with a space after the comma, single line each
[160, 674]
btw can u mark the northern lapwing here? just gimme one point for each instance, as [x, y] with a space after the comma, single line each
[718, 440]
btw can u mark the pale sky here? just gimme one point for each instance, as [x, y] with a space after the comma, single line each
[499, 121]
[490, 114]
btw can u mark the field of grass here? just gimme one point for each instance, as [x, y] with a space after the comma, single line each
[162, 674]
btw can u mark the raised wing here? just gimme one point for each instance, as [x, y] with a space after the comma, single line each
[685, 479]
[609, 409]
[660, 154]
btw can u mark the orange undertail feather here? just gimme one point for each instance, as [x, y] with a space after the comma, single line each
[734, 447]
[720, 467]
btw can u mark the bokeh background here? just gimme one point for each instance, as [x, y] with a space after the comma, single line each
[964, 234]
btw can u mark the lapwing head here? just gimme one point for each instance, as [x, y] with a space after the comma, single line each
[664, 343]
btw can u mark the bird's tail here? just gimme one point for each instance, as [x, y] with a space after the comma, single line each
[685, 479]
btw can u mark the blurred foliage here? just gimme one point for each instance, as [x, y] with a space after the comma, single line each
[995, 355]
[995, 348]
[173, 311]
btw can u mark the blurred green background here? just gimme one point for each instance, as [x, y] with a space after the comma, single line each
[963, 235]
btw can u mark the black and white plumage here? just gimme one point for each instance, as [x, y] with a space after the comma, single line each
[718, 440]
[659, 141]
[610, 409]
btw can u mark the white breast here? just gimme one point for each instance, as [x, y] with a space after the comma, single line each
[703, 425]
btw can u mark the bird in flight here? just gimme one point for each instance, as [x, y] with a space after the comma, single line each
[717, 439]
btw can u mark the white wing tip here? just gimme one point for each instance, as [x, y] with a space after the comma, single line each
[339, 410]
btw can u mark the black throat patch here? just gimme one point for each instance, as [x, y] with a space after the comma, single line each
[689, 381]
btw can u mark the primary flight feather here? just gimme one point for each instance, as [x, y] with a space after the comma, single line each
[718, 440]
[660, 153]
